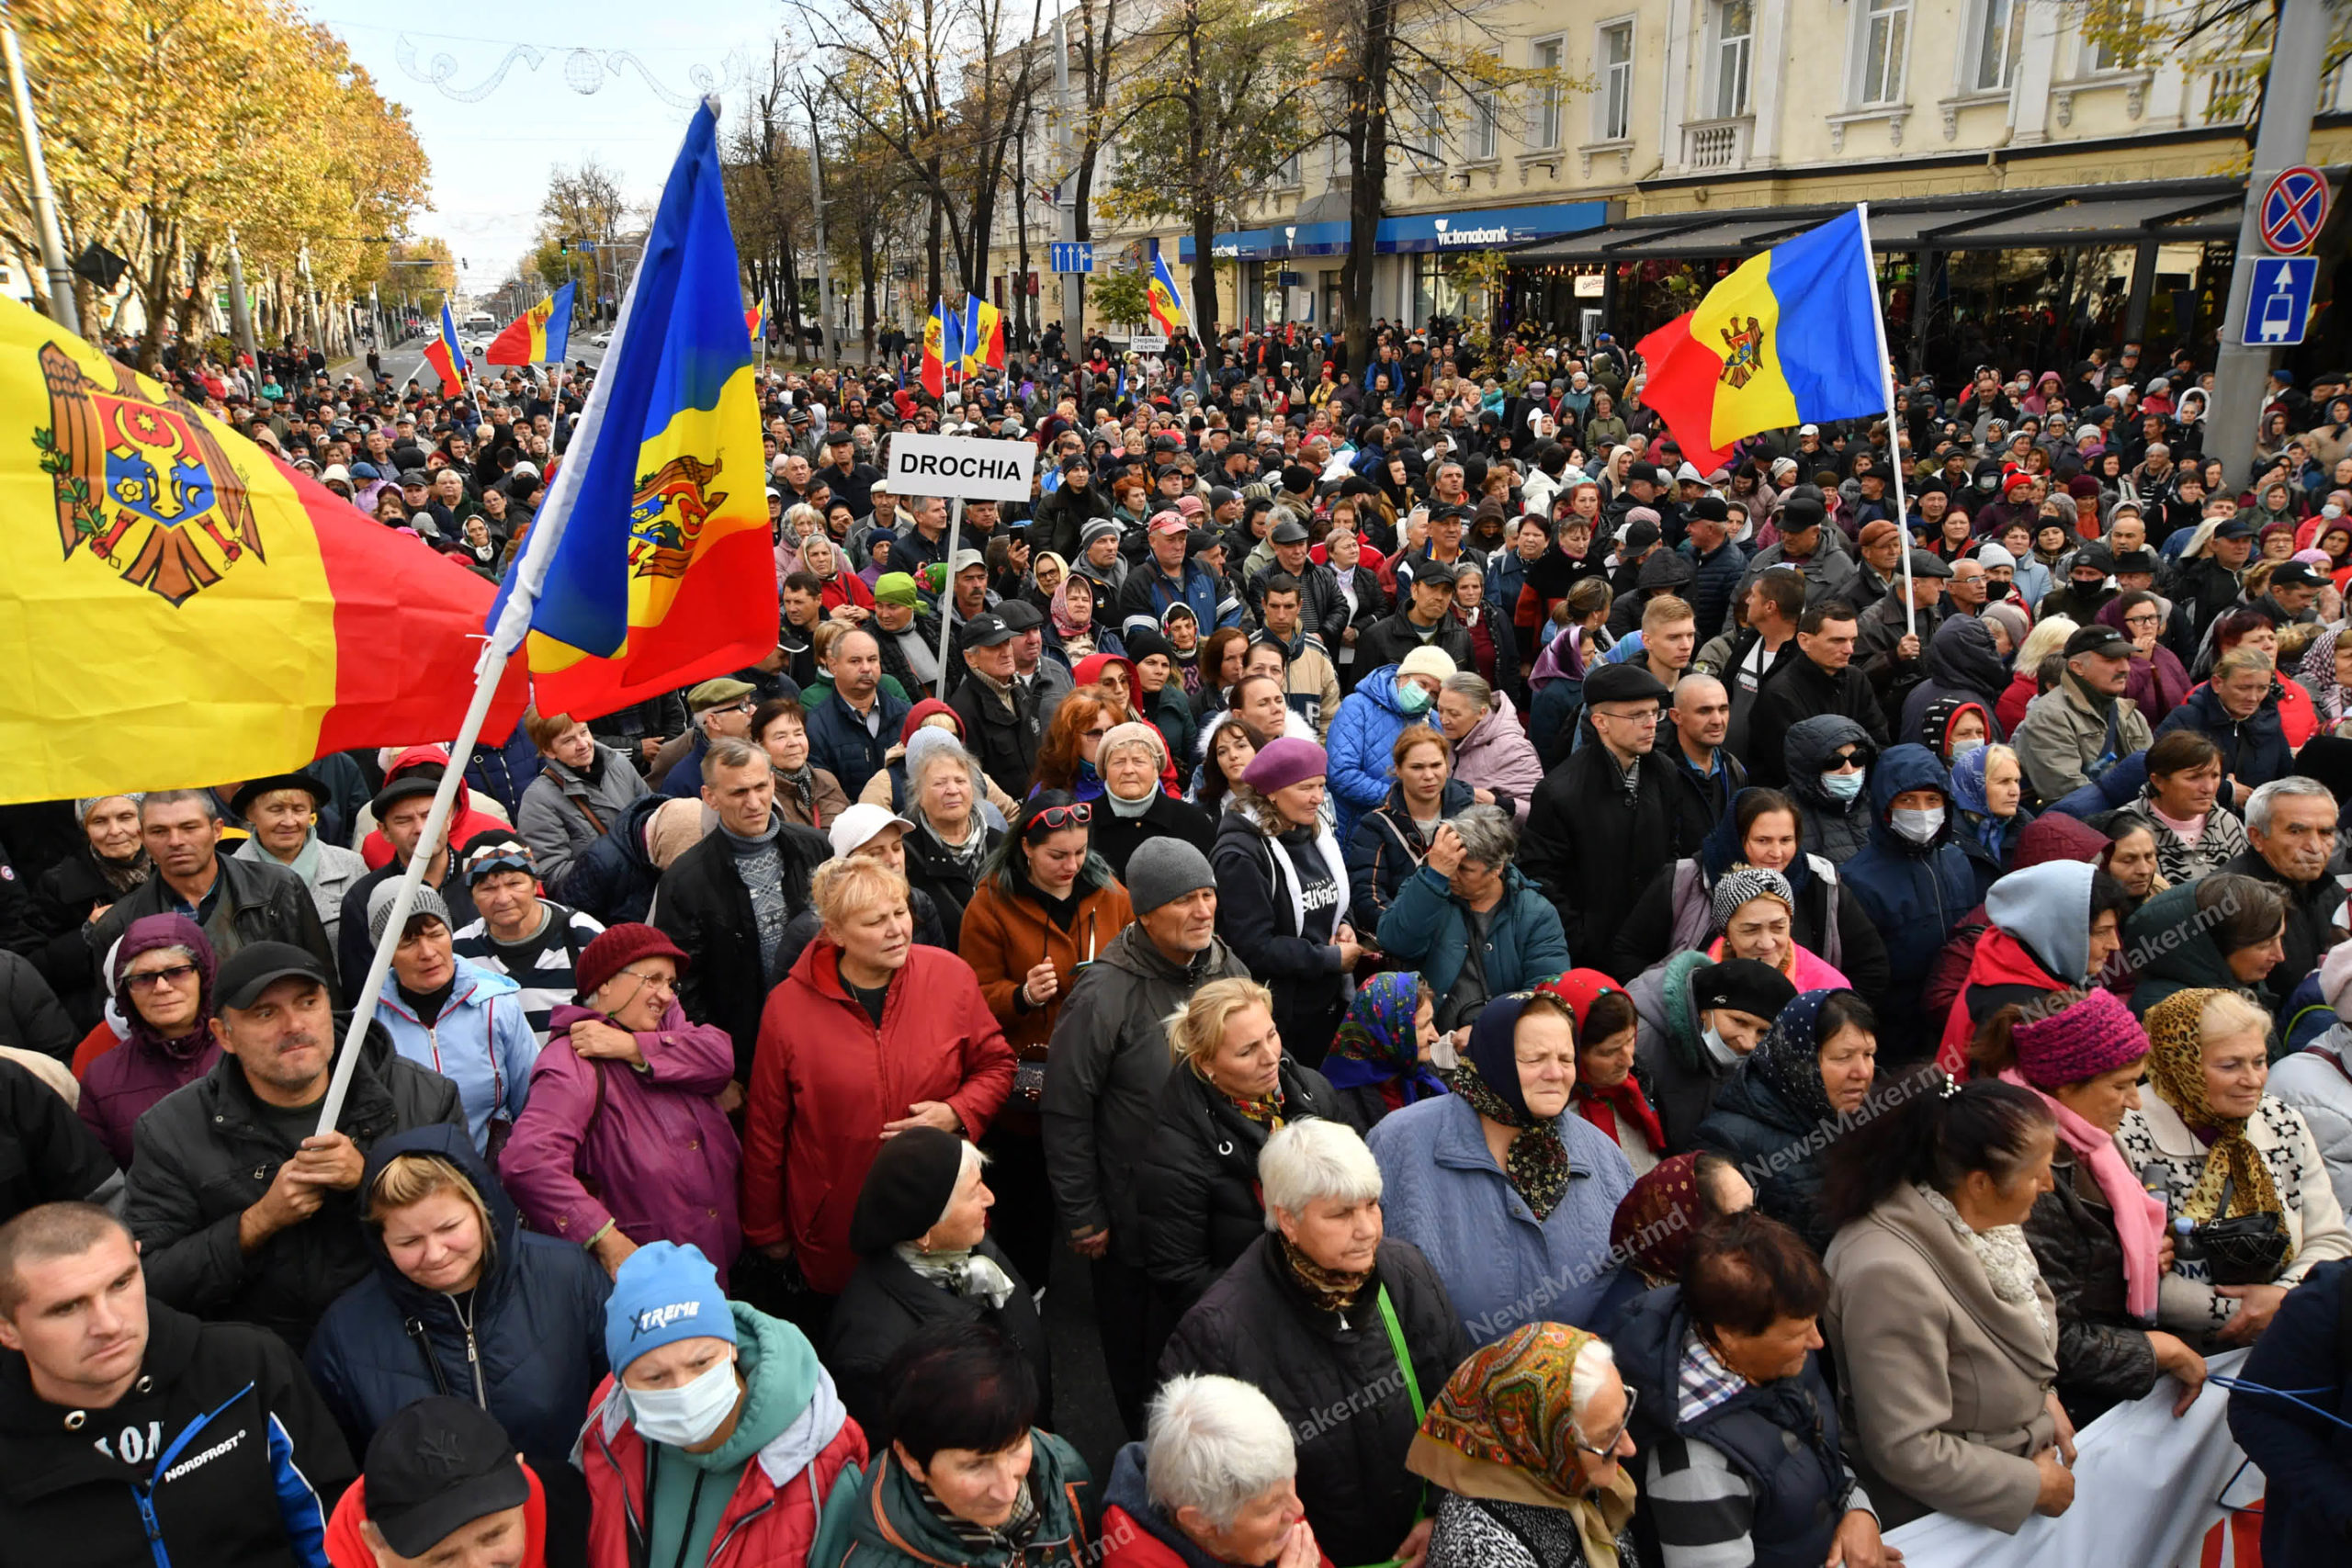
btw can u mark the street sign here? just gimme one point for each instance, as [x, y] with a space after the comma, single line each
[1147, 342]
[1072, 255]
[2278, 306]
[2294, 209]
[958, 466]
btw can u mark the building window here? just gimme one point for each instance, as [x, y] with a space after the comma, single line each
[1287, 172]
[1616, 97]
[2001, 33]
[1886, 32]
[1485, 127]
[1431, 138]
[1548, 57]
[1735, 23]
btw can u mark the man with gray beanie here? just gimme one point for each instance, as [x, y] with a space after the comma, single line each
[1104, 1075]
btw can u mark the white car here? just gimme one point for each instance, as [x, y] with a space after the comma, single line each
[601, 340]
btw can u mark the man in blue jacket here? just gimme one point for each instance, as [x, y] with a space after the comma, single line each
[1915, 884]
[1168, 579]
[2302, 1444]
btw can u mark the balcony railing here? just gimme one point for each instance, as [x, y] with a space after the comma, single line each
[1716, 145]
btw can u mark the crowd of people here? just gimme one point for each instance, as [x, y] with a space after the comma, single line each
[1564, 1011]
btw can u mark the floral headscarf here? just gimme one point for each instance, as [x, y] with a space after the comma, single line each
[1065, 624]
[1504, 1426]
[1378, 1044]
[2177, 1072]
[2318, 672]
[1488, 1077]
[1657, 1220]
[1789, 1060]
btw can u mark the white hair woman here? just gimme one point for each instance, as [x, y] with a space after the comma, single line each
[1315, 1312]
[1215, 1477]
[955, 828]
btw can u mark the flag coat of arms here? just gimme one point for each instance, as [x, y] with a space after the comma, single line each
[183, 608]
[651, 560]
[754, 319]
[445, 353]
[1165, 302]
[943, 346]
[540, 335]
[1790, 338]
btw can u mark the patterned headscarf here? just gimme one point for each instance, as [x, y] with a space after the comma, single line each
[1377, 1042]
[1488, 1077]
[1603, 1106]
[1504, 1426]
[2318, 672]
[1789, 1058]
[1657, 1220]
[2177, 1071]
[1743, 883]
[1065, 622]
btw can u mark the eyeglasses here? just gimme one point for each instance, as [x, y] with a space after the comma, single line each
[1639, 720]
[148, 979]
[1608, 1445]
[1054, 818]
[657, 982]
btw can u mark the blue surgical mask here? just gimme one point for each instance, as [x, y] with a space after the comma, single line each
[1412, 697]
[1842, 785]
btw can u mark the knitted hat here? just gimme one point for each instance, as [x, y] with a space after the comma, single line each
[1286, 761]
[2094, 1035]
[675, 827]
[1096, 530]
[907, 1188]
[379, 906]
[1743, 985]
[1163, 870]
[1742, 882]
[924, 743]
[1427, 659]
[663, 1293]
[614, 948]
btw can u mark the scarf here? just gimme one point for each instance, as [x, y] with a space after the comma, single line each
[1486, 1078]
[1975, 811]
[1331, 1289]
[2002, 1252]
[1504, 1427]
[967, 854]
[1602, 1107]
[2177, 1072]
[1266, 1110]
[1009, 1540]
[972, 1275]
[122, 875]
[1379, 1045]
[1789, 1059]
[2318, 672]
[803, 786]
[1654, 1225]
[2139, 1214]
[1067, 624]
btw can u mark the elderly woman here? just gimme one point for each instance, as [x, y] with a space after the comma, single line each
[2225, 930]
[804, 793]
[1391, 842]
[1754, 916]
[1987, 786]
[2237, 1169]
[1507, 1194]
[464, 1301]
[448, 1013]
[1491, 751]
[107, 860]
[1470, 922]
[1946, 1338]
[842, 590]
[1696, 1019]
[1524, 1440]
[163, 986]
[2097, 1235]
[1681, 1196]
[1815, 1067]
[953, 833]
[921, 1230]
[1045, 908]
[1381, 1060]
[1607, 1094]
[823, 1099]
[283, 811]
[582, 788]
[1213, 1482]
[2194, 835]
[1736, 1422]
[1325, 1313]
[621, 1142]
[1232, 1088]
[1071, 615]
[1283, 893]
[1134, 808]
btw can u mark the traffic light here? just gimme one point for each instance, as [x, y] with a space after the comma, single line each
[562, 246]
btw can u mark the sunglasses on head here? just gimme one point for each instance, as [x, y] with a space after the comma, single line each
[1054, 818]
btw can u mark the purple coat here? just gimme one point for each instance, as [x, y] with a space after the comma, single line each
[118, 1087]
[660, 1153]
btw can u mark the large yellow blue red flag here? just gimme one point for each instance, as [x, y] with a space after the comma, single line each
[1166, 304]
[445, 353]
[1792, 338]
[540, 335]
[181, 608]
[983, 335]
[651, 560]
[943, 346]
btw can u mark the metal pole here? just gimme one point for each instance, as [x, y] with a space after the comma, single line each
[946, 595]
[1894, 431]
[824, 267]
[1073, 284]
[241, 319]
[2290, 97]
[62, 310]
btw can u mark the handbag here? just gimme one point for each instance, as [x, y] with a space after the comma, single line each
[2248, 1250]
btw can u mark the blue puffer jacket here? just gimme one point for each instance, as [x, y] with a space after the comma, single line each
[1428, 929]
[1367, 727]
[537, 1350]
[2253, 750]
[1914, 894]
[481, 1041]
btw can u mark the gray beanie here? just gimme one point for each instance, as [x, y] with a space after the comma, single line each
[1095, 530]
[379, 906]
[1162, 871]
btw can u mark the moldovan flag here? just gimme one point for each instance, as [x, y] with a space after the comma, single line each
[649, 566]
[754, 319]
[540, 335]
[181, 609]
[1165, 302]
[445, 353]
[983, 335]
[943, 340]
[1790, 338]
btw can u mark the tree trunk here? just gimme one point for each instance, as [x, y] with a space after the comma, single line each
[1368, 153]
[932, 257]
[184, 316]
[162, 266]
[1203, 195]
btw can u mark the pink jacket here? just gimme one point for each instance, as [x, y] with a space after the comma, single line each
[1496, 754]
[1807, 972]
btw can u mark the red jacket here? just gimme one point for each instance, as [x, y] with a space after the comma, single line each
[1999, 960]
[824, 1081]
[346, 1548]
[1126, 1544]
[464, 820]
[846, 589]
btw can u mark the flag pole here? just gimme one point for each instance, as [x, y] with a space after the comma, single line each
[948, 593]
[1894, 431]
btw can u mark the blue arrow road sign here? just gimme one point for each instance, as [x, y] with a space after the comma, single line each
[2278, 306]
[1072, 255]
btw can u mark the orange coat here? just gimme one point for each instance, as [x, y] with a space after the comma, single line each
[1006, 934]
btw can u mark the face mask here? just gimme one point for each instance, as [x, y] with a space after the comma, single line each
[1412, 697]
[1718, 1047]
[1919, 827]
[1962, 748]
[684, 1416]
[1842, 787]
[1995, 590]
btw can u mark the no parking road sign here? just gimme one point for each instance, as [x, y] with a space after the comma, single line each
[2278, 306]
[2294, 209]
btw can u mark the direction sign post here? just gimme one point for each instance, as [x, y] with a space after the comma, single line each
[2278, 306]
[958, 467]
[2294, 210]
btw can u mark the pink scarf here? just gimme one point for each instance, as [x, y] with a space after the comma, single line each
[2139, 1217]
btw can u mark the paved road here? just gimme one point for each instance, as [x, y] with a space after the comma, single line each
[402, 361]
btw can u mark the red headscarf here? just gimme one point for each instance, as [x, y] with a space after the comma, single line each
[1601, 1107]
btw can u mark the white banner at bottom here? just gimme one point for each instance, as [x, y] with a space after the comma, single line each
[2149, 1490]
